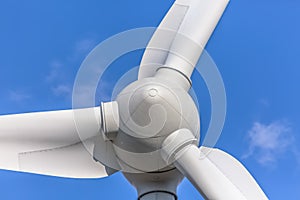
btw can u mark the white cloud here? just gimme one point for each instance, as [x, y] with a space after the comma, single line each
[55, 71]
[84, 45]
[58, 77]
[62, 90]
[297, 154]
[268, 142]
[81, 49]
[264, 102]
[18, 96]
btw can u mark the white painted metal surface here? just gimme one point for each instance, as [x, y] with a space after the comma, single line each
[182, 36]
[217, 175]
[48, 143]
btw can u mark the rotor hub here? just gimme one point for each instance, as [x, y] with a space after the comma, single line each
[149, 111]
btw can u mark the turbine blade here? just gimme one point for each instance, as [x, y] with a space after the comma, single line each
[48, 143]
[182, 35]
[217, 175]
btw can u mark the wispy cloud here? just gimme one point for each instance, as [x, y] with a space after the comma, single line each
[264, 102]
[81, 49]
[62, 90]
[18, 96]
[297, 154]
[58, 77]
[84, 45]
[268, 142]
[56, 71]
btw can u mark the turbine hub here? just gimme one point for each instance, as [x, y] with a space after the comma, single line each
[149, 111]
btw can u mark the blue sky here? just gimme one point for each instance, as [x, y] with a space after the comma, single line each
[256, 47]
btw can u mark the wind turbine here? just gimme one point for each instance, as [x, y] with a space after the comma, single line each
[150, 132]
